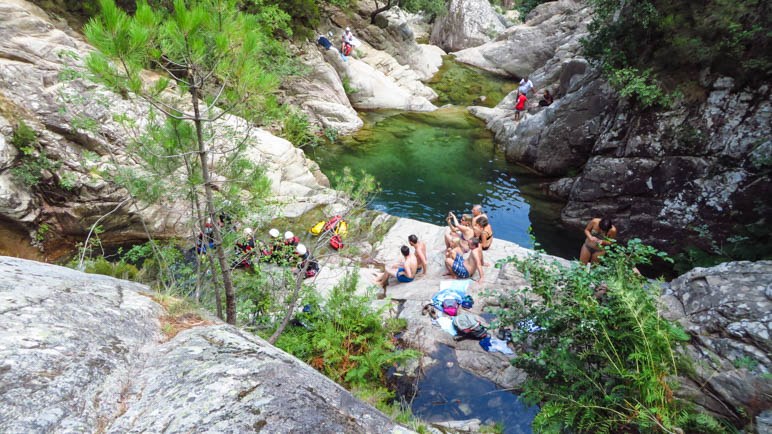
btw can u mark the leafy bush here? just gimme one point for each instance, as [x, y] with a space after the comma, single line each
[599, 356]
[639, 87]
[345, 338]
[32, 162]
[298, 130]
[678, 39]
[120, 269]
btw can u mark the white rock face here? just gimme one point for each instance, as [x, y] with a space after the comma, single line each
[321, 95]
[33, 55]
[524, 48]
[371, 89]
[469, 23]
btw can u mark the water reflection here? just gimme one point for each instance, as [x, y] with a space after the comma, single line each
[448, 392]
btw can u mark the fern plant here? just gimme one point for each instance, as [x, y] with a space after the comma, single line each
[345, 338]
[598, 354]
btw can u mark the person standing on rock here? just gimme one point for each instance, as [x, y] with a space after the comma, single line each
[525, 86]
[404, 270]
[598, 233]
[420, 252]
[520, 106]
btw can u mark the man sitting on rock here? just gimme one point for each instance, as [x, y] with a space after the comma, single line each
[461, 268]
[404, 270]
[420, 252]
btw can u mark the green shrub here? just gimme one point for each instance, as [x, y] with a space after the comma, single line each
[345, 338]
[32, 162]
[120, 269]
[298, 130]
[639, 87]
[599, 356]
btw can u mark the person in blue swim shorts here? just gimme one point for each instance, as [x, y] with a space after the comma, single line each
[403, 270]
[461, 268]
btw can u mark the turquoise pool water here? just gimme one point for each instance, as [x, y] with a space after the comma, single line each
[430, 163]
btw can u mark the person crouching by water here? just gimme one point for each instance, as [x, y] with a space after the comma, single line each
[465, 268]
[404, 270]
[599, 233]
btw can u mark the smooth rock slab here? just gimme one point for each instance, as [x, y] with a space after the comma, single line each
[85, 353]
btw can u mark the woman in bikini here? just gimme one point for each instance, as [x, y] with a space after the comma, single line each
[483, 231]
[599, 233]
[459, 234]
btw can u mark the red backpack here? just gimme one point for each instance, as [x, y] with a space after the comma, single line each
[336, 242]
[332, 223]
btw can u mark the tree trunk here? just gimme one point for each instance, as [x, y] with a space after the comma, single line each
[386, 6]
[230, 296]
[291, 309]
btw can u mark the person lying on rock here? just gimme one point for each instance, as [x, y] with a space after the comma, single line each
[403, 270]
[420, 252]
[461, 268]
[598, 233]
[459, 234]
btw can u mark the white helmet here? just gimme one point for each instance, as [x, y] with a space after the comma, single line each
[348, 29]
[247, 231]
[301, 249]
[289, 235]
[274, 233]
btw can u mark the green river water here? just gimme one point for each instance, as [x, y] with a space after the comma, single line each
[430, 163]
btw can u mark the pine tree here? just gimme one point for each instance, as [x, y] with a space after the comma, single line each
[212, 60]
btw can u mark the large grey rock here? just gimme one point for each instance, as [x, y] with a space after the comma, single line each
[550, 33]
[395, 33]
[468, 23]
[85, 353]
[727, 310]
[320, 94]
[34, 56]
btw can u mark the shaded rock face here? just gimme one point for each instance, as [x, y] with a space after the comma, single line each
[84, 353]
[34, 54]
[468, 23]
[665, 177]
[727, 310]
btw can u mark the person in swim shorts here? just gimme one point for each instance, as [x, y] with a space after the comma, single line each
[598, 233]
[404, 270]
[466, 268]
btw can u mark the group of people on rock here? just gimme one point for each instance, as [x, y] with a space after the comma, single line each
[347, 42]
[471, 236]
[286, 250]
[524, 87]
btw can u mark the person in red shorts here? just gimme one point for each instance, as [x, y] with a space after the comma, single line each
[520, 106]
